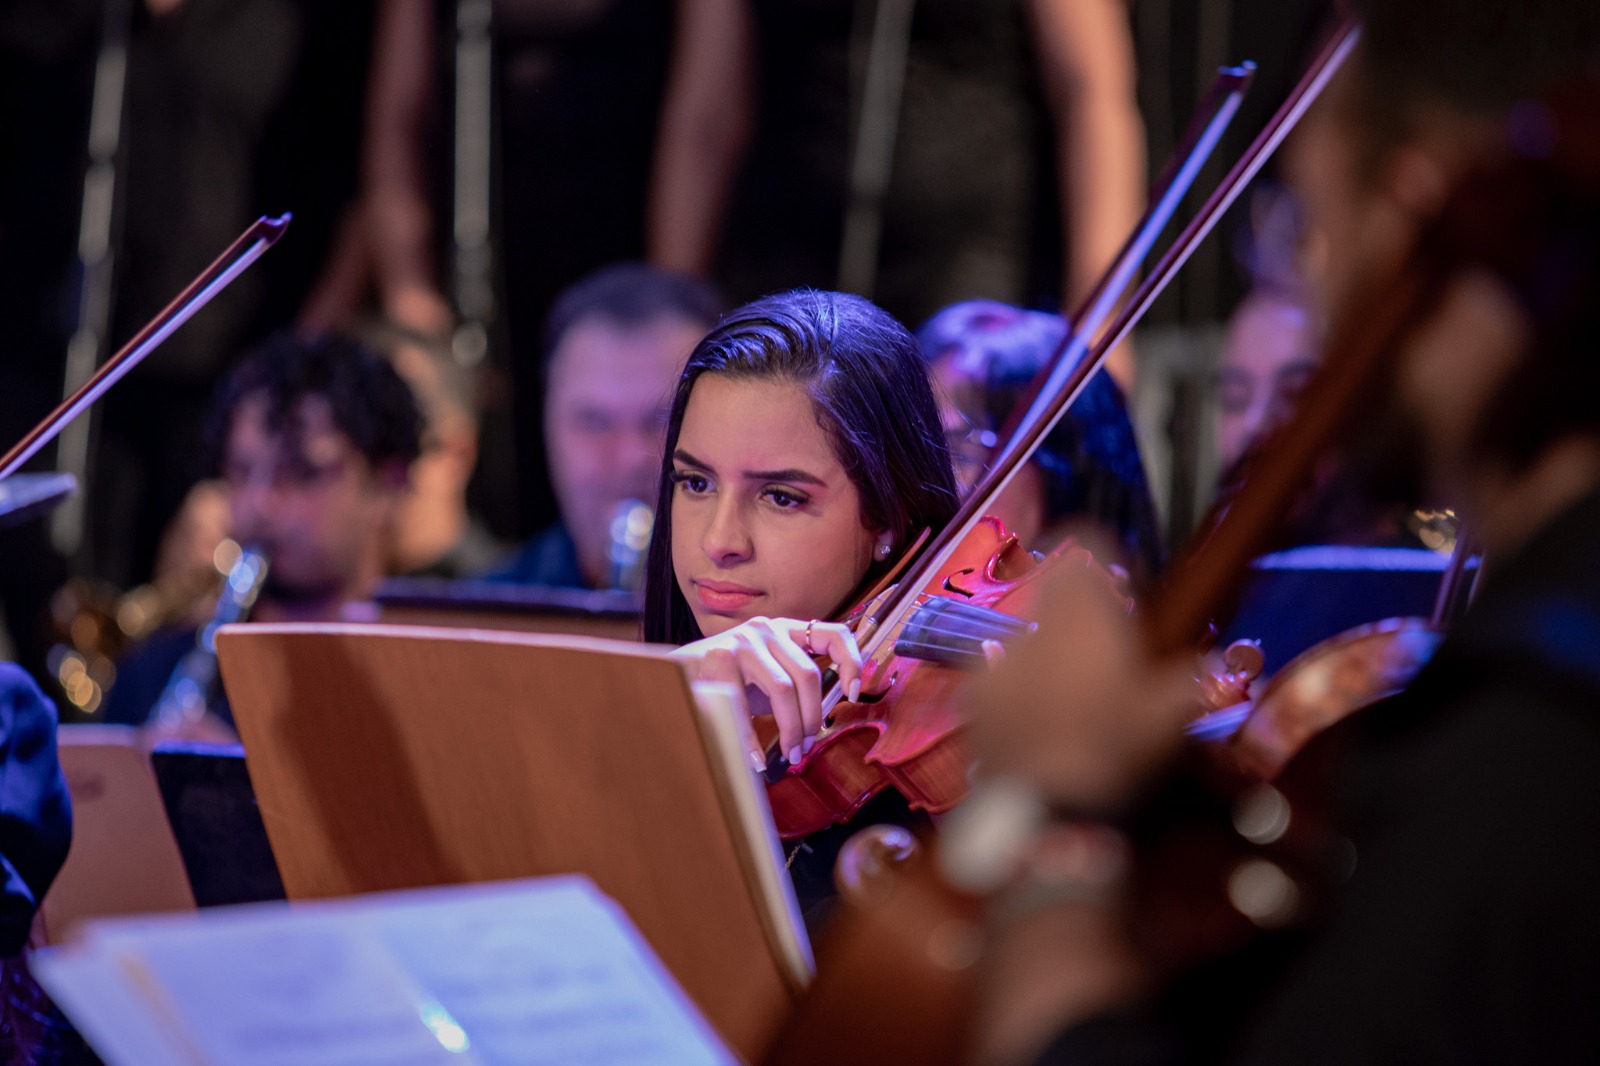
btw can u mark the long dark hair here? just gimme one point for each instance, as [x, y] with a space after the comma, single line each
[870, 391]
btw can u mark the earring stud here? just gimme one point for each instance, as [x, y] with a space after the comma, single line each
[883, 551]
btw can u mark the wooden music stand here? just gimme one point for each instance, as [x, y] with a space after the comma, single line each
[124, 859]
[389, 757]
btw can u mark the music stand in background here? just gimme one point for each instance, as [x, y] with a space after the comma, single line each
[212, 809]
[475, 604]
[123, 858]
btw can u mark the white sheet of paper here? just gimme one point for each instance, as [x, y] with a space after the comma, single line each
[526, 972]
[278, 987]
[107, 1009]
[558, 976]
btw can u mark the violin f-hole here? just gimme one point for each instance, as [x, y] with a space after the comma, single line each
[951, 586]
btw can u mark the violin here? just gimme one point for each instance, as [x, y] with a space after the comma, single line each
[980, 595]
[970, 583]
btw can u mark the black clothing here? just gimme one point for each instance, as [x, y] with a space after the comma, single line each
[579, 93]
[1469, 930]
[812, 858]
[971, 209]
[35, 812]
[47, 56]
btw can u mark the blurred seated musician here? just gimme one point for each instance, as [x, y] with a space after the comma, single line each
[1088, 471]
[1271, 345]
[435, 535]
[1270, 350]
[35, 833]
[314, 440]
[614, 344]
[1464, 927]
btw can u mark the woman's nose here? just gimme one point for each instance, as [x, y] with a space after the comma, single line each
[727, 537]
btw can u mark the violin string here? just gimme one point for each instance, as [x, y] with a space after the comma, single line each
[975, 632]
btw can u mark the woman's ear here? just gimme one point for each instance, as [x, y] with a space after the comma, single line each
[883, 546]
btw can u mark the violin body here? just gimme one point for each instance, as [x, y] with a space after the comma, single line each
[1246, 830]
[1325, 684]
[906, 732]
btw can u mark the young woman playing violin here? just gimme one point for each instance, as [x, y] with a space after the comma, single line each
[804, 452]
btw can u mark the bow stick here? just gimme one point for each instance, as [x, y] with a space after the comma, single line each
[246, 249]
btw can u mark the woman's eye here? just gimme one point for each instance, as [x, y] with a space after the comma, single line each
[691, 483]
[785, 499]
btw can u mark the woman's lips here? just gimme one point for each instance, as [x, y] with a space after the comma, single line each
[723, 596]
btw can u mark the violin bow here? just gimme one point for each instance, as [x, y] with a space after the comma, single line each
[246, 249]
[1211, 120]
[1077, 374]
[1071, 375]
[1206, 127]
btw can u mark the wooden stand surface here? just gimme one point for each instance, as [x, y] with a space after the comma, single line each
[123, 859]
[389, 757]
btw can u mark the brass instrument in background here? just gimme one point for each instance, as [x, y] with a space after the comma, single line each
[187, 705]
[95, 624]
[631, 524]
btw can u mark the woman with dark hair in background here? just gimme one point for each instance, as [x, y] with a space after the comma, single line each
[982, 356]
[803, 454]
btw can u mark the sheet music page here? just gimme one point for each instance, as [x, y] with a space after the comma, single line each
[279, 987]
[550, 974]
[110, 1012]
[526, 973]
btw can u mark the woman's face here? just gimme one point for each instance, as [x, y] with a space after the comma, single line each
[765, 521]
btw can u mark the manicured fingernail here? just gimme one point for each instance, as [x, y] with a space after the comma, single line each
[807, 744]
[794, 755]
[758, 762]
[855, 691]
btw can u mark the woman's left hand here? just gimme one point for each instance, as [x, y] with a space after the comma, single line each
[776, 657]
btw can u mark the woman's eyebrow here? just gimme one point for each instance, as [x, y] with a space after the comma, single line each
[793, 475]
[681, 456]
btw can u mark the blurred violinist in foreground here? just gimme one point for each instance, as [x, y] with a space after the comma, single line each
[314, 441]
[1461, 925]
